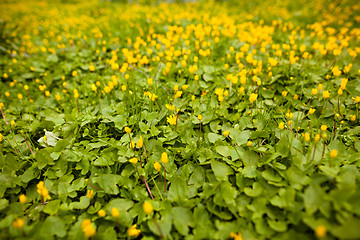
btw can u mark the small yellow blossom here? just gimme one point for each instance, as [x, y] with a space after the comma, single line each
[307, 137]
[20, 96]
[320, 231]
[127, 130]
[115, 212]
[88, 228]
[326, 94]
[133, 160]
[157, 166]
[101, 213]
[352, 118]
[281, 125]
[312, 110]
[314, 91]
[172, 119]
[164, 157]
[323, 128]
[249, 143]
[22, 198]
[199, 117]
[90, 193]
[19, 223]
[74, 73]
[253, 97]
[133, 231]
[226, 133]
[148, 208]
[57, 97]
[333, 153]
[140, 142]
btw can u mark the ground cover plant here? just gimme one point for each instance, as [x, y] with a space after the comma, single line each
[208, 120]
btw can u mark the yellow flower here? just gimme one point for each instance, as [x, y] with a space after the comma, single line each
[57, 97]
[140, 142]
[172, 119]
[90, 193]
[235, 236]
[47, 93]
[7, 94]
[249, 143]
[340, 91]
[88, 228]
[343, 83]
[176, 87]
[357, 99]
[333, 153]
[20, 96]
[133, 160]
[326, 94]
[323, 128]
[123, 87]
[178, 94]
[170, 107]
[307, 137]
[101, 213]
[284, 93]
[74, 73]
[317, 137]
[1, 137]
[200, 117]
[320, 87]
[93, 87]
[164, 157]
[91, 68]
[22, 198]
[253, 97]
[226, 133]
[352, 118]
[19, 223]
[296, 97]
[26, 87]
[312, 110]
[185, 87]
[127, 130]
[149, 81]
[157, 166]
[320, 231]
[314, 91]
[76, 95]
[45, 194]
[281, 125]
[133, 232]
[115, 212]
[12, 122]
[1, 105]
[148, 208]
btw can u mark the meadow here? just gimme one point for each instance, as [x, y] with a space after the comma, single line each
[201, 120]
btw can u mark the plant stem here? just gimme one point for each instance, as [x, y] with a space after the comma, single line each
[28, 144]
[158, 227]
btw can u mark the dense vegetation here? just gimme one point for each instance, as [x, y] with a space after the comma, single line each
[180, 121]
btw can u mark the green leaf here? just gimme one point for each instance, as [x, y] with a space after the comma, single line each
[313, 198]
[43, 158]
[82, 204]
[221, 170]
[214, 137]
[182, 219]
[54, 226]
[178, 190]
[278, 226]
[120, 122]
[223, 150]
[52, 207]
[255, 191]
[108, 183]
